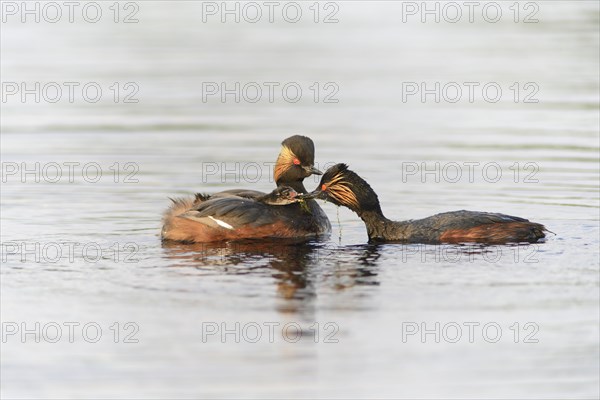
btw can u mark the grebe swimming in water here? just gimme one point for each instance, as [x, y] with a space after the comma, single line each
[343, 187]
[248, 214]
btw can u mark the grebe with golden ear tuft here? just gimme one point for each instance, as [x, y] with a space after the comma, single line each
[249, 214]
[344, 187]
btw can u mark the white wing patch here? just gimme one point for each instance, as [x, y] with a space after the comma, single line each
[221, 223]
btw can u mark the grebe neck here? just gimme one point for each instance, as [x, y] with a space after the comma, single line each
[368, 208]
[378, 226]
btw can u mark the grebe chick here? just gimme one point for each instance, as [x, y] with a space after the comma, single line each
[281, 196]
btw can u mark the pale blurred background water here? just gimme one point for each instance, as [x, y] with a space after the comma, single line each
[370, 294]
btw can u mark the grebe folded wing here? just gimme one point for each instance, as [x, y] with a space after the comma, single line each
[232, 212]
[245, 193]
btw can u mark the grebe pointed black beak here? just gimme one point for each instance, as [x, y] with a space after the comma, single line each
[312, 170]
[312, 195]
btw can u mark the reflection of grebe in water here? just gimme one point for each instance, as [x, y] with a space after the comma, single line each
[249, 214]
[295, 267]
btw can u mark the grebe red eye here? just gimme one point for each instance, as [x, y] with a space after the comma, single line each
[296, 161]
[323, 188]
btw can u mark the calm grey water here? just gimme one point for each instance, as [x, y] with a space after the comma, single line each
[149, 321]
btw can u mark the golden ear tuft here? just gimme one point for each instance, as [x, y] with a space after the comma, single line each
[284, 162]
[341, 190]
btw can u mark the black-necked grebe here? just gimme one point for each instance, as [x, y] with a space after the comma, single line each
[248, 214]
[343, 187]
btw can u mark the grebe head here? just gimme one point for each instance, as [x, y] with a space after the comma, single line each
[344, 187]
[296, 160]
[281, 196]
